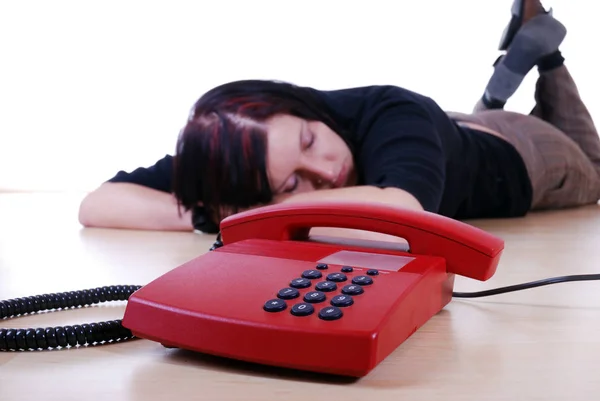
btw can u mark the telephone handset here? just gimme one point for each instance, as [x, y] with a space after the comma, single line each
[468, 251]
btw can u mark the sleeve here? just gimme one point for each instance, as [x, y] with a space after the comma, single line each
[157, 176]
[402, 148]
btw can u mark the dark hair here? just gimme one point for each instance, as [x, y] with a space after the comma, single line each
[221, 152]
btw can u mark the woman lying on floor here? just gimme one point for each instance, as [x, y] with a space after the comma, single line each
[253, 143]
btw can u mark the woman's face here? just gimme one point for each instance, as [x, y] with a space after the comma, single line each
[305, 156]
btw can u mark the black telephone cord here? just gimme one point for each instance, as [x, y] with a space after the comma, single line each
[525, 286]
[64, 336]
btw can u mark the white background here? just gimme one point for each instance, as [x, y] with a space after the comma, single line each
[89, 88]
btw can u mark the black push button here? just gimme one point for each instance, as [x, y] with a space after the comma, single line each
[322, 266]
[362, 280]
[352, 290]
[326, 286]
[372, 272]
[300, 283]
[311, 274]
[314, 297]
[337, 277]
[275, 305]
[288, 293]
[330, 313]
[347, 269]
[302, 309]
[342, 300]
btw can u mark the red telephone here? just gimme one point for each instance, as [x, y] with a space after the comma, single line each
[271, 295]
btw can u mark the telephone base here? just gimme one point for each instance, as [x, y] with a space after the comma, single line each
[242, 301]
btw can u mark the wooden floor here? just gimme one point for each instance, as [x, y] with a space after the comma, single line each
[542, 343]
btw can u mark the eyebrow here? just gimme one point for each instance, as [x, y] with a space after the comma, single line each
[302, 128]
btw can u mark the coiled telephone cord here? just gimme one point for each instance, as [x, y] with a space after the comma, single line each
[67, 336]
[64, 336]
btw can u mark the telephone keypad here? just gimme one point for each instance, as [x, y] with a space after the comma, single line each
[337, 277]
[312, 274]
[330, 313]
[342, 300]
[306, 306]
[288, 293]
[362, 280]
[300, 283]
[315, 297]
[326, 286]
[302, 309]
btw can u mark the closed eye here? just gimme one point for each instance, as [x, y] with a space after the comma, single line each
[294, 185]
[307, 140]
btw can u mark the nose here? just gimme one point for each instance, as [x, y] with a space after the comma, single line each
[321, 174]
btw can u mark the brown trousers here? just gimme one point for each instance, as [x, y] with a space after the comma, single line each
[557, 141]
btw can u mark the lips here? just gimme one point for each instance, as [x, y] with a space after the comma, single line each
[342, 176]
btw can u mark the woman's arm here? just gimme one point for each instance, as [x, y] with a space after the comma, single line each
[132, 206]
[367, 194]
[141, 199]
